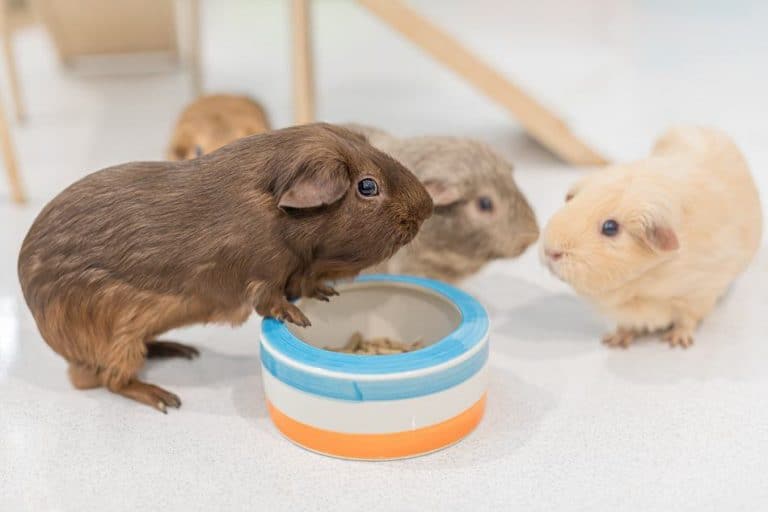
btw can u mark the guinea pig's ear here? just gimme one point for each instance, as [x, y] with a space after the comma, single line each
[573, 190]
[180, 145]
[662, 238]
[657, 232]
[441, 192]
[324, 184]
[178, 152]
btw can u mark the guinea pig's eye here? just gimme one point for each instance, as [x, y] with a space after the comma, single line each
[610, 228]
[198, 151]
[485, 204]
[368, 187]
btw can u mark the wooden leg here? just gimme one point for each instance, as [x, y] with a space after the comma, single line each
[10, 61]
[303, 86]
[194, 47]
[535, 118]
[9, 158]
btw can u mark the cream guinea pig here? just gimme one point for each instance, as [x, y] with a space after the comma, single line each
[655, 243]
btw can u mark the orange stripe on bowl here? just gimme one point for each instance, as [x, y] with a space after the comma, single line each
[380, 446]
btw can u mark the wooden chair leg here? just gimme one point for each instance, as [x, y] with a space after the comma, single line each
[194, 47]
[10, 61]
[303, 80]
[9, 159]
[535, 118]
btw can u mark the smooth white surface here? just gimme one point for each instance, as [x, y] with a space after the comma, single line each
[570, 424]
[377, 416]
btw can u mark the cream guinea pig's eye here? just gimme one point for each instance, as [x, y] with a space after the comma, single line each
[485, 204]
[368, 187]
[610, 228]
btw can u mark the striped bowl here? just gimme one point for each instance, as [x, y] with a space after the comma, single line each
[379, 406]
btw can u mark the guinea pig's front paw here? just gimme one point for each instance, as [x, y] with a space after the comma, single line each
[621, 338]
[679, 337]
[288, 312]
[323, 292]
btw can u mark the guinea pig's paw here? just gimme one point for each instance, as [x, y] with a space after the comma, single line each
[153, 396]
[679, 337]
[287, 312]
[162, 349]
[621, 338]
[323, 292]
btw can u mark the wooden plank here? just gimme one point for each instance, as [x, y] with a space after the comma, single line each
[303, 80]
[537, 120]
[194, 47]
[9, 159]
[10, 60]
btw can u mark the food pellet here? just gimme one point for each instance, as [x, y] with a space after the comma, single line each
[376, 346]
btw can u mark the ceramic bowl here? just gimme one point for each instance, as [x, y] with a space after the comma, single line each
[379, 406]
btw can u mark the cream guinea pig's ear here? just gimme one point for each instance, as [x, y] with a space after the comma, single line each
[655, 229]
[322, 182]
[442, 192]
[573, 190]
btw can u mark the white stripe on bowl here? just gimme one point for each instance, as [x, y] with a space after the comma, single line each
[375, 417]
[372, 376]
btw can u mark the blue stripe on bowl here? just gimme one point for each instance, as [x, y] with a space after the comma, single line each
[366, 390]
[471, 331]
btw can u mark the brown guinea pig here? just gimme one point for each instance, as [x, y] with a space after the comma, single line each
[135, 250]
[480, 213]
[655, 243]
[213, 121]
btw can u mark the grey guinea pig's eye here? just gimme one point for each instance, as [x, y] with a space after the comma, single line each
[485, 204]
[198, 151]
[368, 187]
[610, 228]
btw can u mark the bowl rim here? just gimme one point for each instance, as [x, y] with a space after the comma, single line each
[460, 344]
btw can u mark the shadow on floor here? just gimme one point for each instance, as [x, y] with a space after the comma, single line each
[514, 411]
[530, 322]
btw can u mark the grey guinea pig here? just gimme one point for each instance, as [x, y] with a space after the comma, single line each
[480, 213]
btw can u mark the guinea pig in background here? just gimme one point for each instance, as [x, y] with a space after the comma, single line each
[213, 121]
[480, 214]
[130, 252]
[655, 243]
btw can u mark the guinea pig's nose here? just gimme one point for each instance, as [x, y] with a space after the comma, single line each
[552, 254]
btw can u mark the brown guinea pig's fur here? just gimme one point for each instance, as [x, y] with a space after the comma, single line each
[213, 121]
[689, 221]
[464, 177]
[135, 250]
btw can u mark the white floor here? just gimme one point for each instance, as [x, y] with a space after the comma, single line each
[571, 425]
